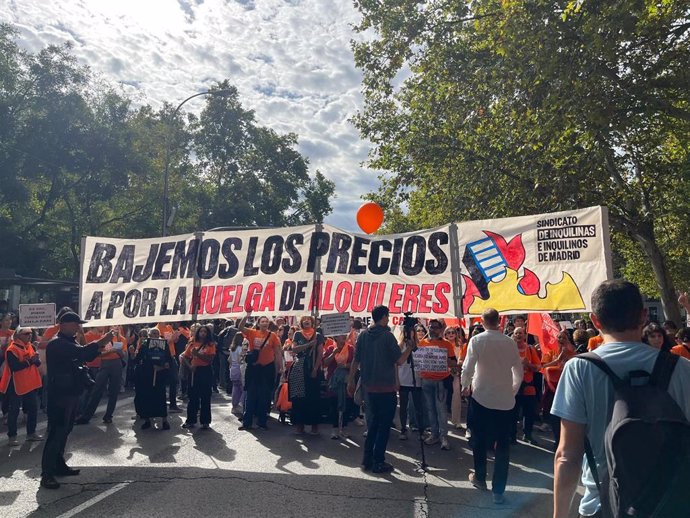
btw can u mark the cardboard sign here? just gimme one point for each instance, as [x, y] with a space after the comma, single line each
[431, 359]
[158, 343]
[335, 324]
[37, 315]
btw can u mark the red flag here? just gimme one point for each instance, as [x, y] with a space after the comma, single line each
[502, 323]
[545, 329]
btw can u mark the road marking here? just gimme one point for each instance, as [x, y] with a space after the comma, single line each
[94, 500]
[421, 507]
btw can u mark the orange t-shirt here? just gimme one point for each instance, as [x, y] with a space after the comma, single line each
[682, 350]
[50, 332]
[528, 377]
[439, 343]
[256, 339]
[94, 336]
[595, 342]
[206, 349]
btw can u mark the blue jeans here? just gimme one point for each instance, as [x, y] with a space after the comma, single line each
[435, 395]
[380, 409]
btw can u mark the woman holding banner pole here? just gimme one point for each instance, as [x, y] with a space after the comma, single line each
[264, 359]
[304, 382]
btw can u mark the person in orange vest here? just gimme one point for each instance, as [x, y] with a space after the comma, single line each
[6, 333]
[20, 383]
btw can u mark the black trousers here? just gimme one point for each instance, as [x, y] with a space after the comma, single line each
[29, 402]
[491, 426]
[200, 396]
[417, 403]
[173, 380]
[259, 381]
[380, 408]
[527, 405]
[62, 411]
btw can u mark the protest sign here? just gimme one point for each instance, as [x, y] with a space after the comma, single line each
[541, 263]
[335, 324]
[525, 264]
[431, 359]
[37, 315]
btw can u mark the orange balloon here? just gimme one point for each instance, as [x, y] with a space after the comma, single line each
[370, 217]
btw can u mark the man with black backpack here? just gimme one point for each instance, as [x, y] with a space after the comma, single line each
[625, 409]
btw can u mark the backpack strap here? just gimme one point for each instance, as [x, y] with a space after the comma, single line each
[596, 360]
[591, 461]
[663, 369]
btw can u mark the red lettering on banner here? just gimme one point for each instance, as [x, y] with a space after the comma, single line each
[326, 303]
[268, 302]
[198, 300]
[359, 296]
[213, 296]
[381, 292]
[373, 292]
[343, 296]
[425, 298]
[226, 301]
[442, 289]
[410, 299]
[396, 297]
[254, 294]
[237, 306]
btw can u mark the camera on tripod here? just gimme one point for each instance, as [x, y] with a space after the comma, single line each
[409, 323]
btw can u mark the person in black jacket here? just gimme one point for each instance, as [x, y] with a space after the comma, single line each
[64, 357]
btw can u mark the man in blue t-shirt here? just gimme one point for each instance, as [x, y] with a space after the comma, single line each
[584, 397]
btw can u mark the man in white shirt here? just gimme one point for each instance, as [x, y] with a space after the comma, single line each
[493, 369]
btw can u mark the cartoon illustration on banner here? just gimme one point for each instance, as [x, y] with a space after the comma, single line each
[535, 263]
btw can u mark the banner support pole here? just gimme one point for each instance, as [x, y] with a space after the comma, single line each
[316, 288]
[456, 277]
[82, 256]
[196, 289]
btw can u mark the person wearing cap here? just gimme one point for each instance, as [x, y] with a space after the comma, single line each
[65, 358]
[20, 383]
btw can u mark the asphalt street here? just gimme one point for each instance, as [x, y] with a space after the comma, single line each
[129, 472]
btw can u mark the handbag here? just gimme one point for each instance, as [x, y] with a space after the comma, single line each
[253, 356]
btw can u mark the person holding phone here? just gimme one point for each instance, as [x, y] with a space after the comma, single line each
[65, 359]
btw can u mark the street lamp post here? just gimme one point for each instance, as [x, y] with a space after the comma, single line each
[166, 175]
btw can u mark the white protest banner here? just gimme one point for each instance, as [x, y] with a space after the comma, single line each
[37, 315]
[549, 262]
[542, 263]
[431, 359]
[335, 324]
[406, 272]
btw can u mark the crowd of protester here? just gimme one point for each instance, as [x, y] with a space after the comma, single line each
[288, 366]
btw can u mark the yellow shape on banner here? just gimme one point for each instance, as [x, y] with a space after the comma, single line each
[505, 296]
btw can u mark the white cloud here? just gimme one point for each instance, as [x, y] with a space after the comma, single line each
[290, 59]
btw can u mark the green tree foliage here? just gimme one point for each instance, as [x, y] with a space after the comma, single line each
[77, 158]
[496, 108]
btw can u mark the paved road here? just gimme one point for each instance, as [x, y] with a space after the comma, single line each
[129, 472]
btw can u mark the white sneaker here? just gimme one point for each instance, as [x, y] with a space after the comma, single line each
[13, 441]
[444, 444]
[468, 434]
[34, 437]
[431, 440]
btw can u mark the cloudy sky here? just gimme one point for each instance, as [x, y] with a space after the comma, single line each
[290, 59]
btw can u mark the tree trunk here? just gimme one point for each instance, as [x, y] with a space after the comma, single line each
[644, 234]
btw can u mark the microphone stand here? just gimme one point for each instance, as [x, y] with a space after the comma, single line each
[423, 465]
